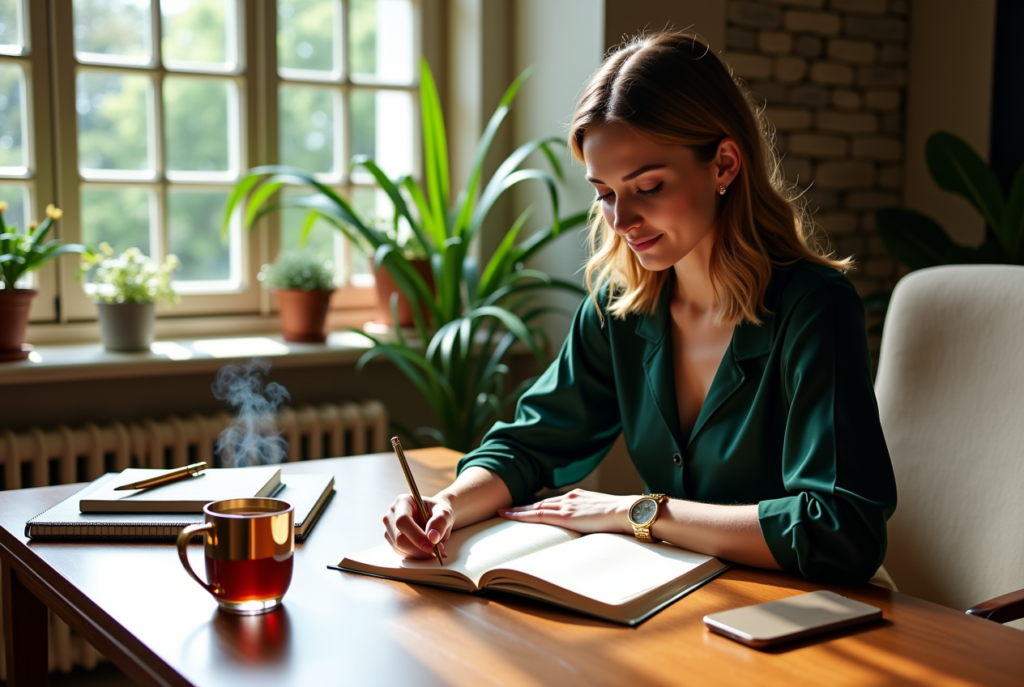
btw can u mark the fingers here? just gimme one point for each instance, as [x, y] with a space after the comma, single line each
[405, 534]
[438, 528]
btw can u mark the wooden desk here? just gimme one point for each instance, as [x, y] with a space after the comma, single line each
[137, 606]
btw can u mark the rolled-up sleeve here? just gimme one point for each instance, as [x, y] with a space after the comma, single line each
[565, 423]
[835, 463]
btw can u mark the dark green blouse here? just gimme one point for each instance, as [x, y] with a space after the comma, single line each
[790, 422]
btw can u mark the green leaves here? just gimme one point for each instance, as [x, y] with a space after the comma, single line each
[956, 167]
[918, 241]
[21, 253]
[469, 322]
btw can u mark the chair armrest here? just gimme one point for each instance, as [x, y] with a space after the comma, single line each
[1001, 609]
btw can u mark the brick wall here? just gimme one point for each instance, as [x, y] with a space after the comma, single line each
[833, 76]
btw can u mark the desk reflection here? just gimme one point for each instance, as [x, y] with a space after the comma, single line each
[252, 639]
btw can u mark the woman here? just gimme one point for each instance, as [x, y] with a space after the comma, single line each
[730, 352]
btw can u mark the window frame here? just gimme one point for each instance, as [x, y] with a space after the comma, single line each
[40, 177]
[63, 300]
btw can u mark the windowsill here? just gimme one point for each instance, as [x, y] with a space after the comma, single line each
[169, 355]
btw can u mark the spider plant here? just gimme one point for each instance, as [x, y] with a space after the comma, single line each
[468, 324]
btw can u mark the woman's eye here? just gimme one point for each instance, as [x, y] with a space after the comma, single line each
[606, 196]
[650, 191]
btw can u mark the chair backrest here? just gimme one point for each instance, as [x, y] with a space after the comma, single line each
[950, 390]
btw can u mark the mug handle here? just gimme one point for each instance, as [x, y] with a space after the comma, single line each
[183, 539]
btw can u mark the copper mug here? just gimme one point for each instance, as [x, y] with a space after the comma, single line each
[249, 546]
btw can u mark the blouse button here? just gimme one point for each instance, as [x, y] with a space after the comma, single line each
[677, 459]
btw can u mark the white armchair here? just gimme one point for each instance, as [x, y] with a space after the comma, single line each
[950, 389]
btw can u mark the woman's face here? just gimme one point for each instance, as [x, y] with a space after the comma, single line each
[658, 198]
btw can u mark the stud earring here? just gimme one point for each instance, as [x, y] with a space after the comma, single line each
[721, 189]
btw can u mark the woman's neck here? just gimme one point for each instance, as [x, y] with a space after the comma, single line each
[693, 288]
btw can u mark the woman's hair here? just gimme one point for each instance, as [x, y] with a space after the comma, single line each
[671, 89]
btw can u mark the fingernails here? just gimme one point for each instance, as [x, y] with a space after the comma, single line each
[434, 536]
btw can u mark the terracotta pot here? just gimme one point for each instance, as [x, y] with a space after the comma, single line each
[14, 307]
[303, 314]
[386, 286]
[127, 326]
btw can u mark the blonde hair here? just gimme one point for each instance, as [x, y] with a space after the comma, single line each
[669, 88]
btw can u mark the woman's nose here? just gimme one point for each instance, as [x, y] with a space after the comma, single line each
[625, 218]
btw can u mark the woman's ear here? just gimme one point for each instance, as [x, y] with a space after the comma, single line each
[727, 162]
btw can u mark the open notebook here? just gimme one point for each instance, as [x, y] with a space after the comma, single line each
[609, 576]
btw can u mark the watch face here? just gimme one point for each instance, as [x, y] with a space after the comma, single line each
[644, 511]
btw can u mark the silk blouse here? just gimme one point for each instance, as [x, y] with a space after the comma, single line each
[790, 422]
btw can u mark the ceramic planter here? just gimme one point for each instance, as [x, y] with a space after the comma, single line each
[303, 314]
[386, 286]
[127, 326]
[14, 307]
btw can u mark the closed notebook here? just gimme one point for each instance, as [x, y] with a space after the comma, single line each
[308, 494]
[610, 576]
[184, 496]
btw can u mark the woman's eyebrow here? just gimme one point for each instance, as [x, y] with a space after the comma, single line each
[632, 175]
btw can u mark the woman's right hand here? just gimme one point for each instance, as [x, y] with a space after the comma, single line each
[408, 537]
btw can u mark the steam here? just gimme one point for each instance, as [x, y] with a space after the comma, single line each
[253, 437]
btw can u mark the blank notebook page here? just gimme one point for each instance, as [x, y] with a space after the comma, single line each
[611, 568]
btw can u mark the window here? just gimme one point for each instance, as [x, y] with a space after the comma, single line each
[24, 135]
[163, 104]
[346, 87]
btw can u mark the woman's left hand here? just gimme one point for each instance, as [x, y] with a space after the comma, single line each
[579, 510]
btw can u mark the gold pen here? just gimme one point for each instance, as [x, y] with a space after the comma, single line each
[412, 488]
[169, 476]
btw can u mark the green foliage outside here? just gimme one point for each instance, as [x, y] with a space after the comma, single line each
[919, 241]
[298, 270]
[475, 313]
[197, 130]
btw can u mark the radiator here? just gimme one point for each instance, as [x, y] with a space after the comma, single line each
[64, 456]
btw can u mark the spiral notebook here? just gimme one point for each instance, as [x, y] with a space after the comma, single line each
[309, 494]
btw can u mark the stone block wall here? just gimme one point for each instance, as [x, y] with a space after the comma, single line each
[832, 74]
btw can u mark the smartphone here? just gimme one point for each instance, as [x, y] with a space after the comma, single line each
[796, 617]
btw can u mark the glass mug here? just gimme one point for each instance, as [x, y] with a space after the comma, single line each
[249, 546]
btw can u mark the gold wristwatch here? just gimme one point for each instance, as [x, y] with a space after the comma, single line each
[643, 513]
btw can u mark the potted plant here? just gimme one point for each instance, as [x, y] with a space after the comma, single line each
[919, 241]
[468, 320]
[20, 254]
[128, 288]
[302, 285]
[385, 285]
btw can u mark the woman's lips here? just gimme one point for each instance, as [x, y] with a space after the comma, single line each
[641, 246]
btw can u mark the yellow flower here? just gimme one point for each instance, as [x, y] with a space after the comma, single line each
[3, 205]
[53, 212]
[33, 226]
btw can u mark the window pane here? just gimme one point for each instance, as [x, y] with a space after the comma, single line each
[114, 31]
[374, 206]
[382, 127]
[120, 216]
[12, 116]
[381, 39]
[321, 239]
[113, 122]
[306, 35]
[199, 119]
[11, 33]
[308, 117]
[16, 197]
[194, 220]
[199, 33]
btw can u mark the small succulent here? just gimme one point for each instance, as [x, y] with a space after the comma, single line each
[298, 270]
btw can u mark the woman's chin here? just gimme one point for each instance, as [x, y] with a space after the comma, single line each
[653, 263]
